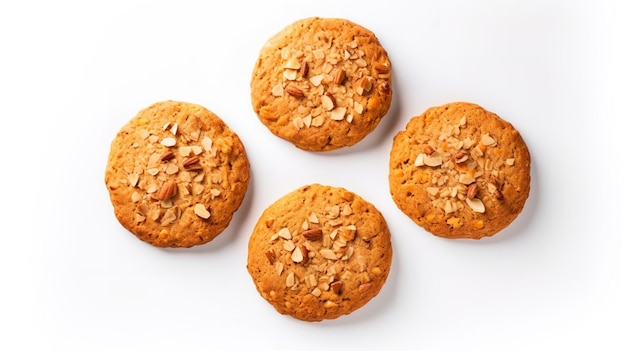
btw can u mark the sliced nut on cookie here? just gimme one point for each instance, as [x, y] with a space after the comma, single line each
[167, 191]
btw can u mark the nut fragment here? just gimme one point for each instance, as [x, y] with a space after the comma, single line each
[167, 155]
[364, 287]
[294, 91]
[381, 68]
[328, 101]
[167, 191]
[328, 254]
[384, 87]
[313, 234]
[201, 211]
[339, 75]
[363, 85]
[271, 256]
[284, 233]
[497, 194]
[428, 150]
[460, 156]
[472, 190]
[168, 142]
[207, 143]
[291, 280]
[487, 140]
[133, 179]
[305, 253]
[304, 68]
[336, 287]
[316, 80]
[338, 113]
[476, 205]
[433, 161]
[187, 163]
[296, 255]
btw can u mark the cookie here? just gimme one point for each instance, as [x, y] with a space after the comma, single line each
[460, 171]
[319, 252]
[176, 174]
[322, 83]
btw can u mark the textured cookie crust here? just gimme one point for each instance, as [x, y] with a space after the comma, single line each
[319, 253]
[460, 171]
[176, 174]
[322, 83]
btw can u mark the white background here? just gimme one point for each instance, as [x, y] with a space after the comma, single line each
[72, 73]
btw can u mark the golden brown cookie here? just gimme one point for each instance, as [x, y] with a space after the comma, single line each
[322, 83]
[176, 174]
[460, 171]
[319, 253]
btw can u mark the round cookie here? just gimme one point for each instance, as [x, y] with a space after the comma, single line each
[460, 171]
[322, 83]
[319, 253]
[176, 174]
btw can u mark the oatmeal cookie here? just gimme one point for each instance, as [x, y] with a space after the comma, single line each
[319, 252]
[176, 174]
[460, 171]
[322, 83]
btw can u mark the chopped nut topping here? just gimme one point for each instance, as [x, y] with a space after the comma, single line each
[277, 90]
[472, 190]
[364, 85]
[476, 205]
[364, 287]
[271, 256]
[328, 102]
[460, 156]
[428, 150]
[497, 194]
[292, 63]
[305, 253]
[184, 150]
[317, 121]
[433, 161]
[328, 254]
[338, 113]
[304, 69]
[358, 108]
[284, 233]
[313, 234]
[171, 169]
[291, 280]
[487, 140]
[201, 211]
[168, 190]
[168, 142]
[133, 179]
[317, 80]
[207, 144]
[296, 255]
[294, 91]
[187, 163]
[290, 74]
[167, 155]
[135, 197]
[336, 287]
[381, 68]
[339, 75]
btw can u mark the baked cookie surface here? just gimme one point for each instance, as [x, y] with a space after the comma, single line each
[322, 83]
[319, 253]
[460, 171]
[176, 174]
